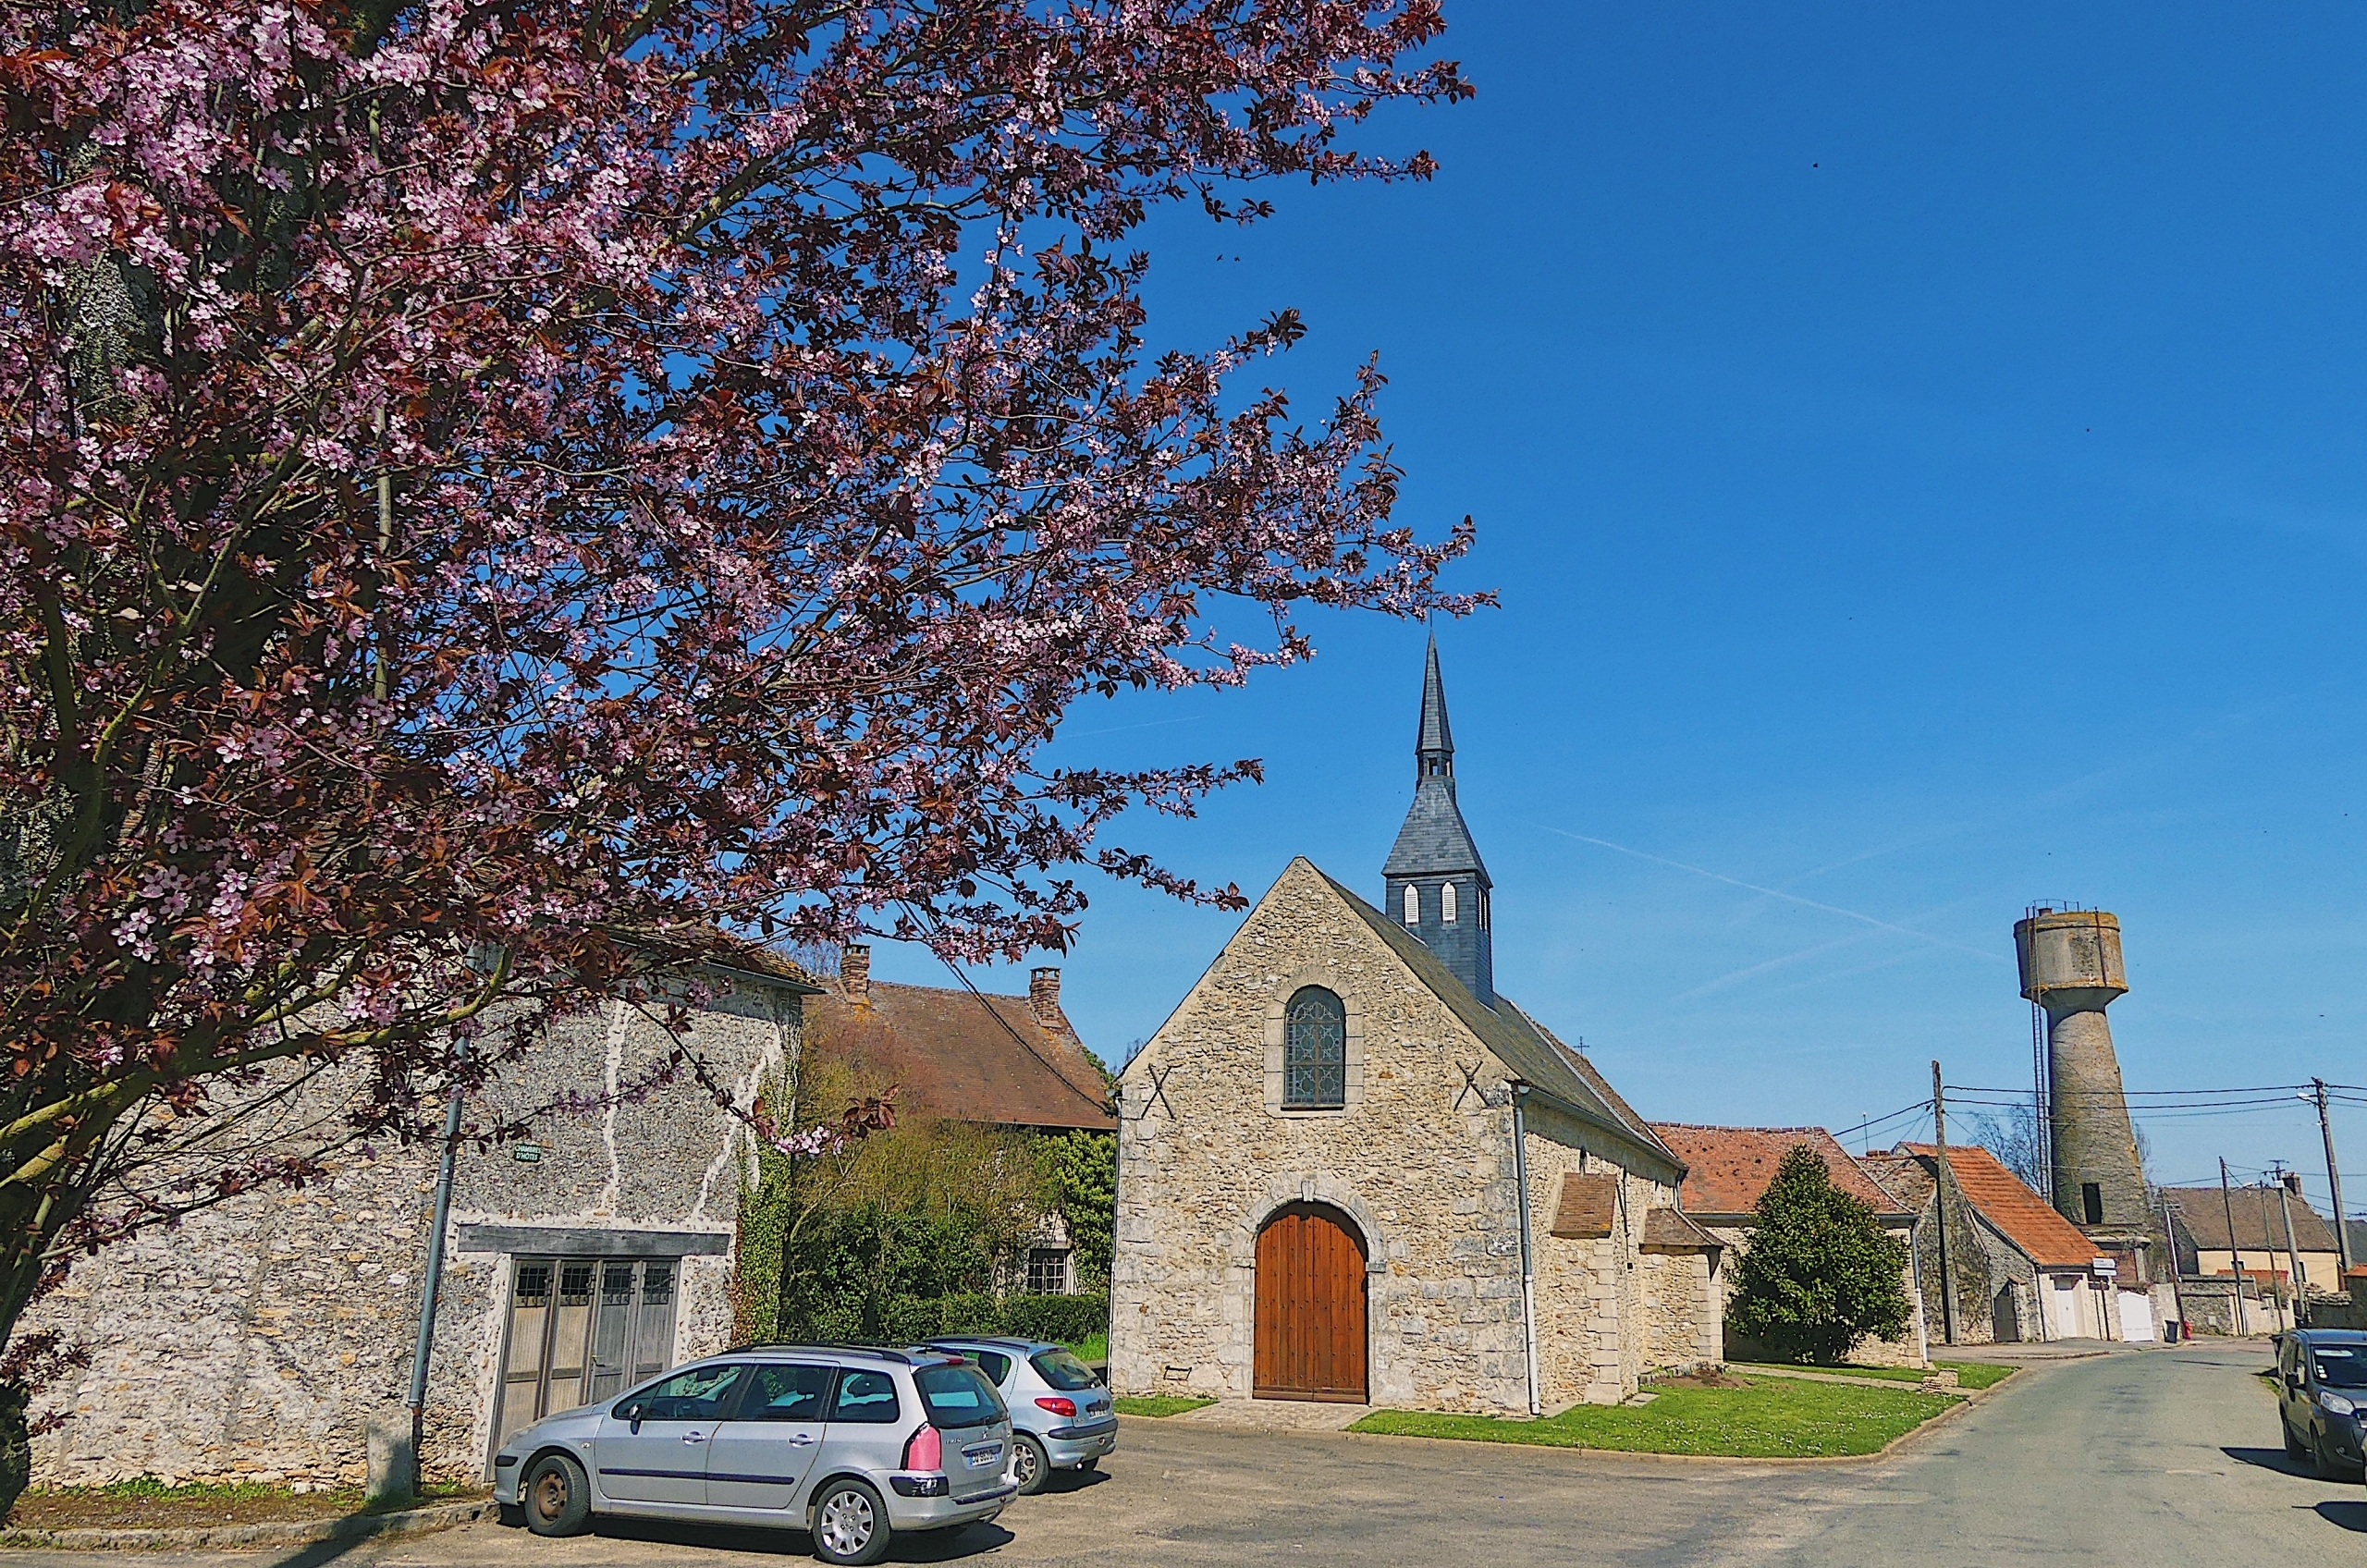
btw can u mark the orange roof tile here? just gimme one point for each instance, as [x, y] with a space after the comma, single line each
[1727, 1168]
[2027, 1219]
[955, 1056]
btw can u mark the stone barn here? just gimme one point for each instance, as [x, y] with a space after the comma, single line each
[257, 1341]
[1351, 1169]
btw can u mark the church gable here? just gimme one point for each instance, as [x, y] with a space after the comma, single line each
[1309, 934]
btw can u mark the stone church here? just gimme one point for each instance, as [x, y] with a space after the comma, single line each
[1351, 1169]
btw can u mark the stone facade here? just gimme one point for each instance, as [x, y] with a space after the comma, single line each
[257, 1339]
[1423, 1161]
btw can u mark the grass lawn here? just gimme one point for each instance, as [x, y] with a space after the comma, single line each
[1157, 1405]
[1847, 1370]
[1093, 1348]
[149, 1502]
[1978, 1374]
[1767, 1418]
[1970, 1374]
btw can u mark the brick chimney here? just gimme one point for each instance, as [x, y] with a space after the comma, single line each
[854, 973]
[1044, 996]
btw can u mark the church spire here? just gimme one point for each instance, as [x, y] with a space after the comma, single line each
[1437, 887]
[1434, 747]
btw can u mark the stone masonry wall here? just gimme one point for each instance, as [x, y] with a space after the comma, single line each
[1593, 1343]
[255, 1340]
[1422, 1161]
[1683, 1317]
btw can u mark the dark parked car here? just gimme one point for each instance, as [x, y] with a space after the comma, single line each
[2321, 1375]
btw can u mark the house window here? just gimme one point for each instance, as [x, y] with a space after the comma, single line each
[1047, 1271]
[1413, 904]
[1315, 1052]
[2091, 1202]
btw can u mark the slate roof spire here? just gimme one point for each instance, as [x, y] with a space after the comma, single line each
[1435, 743]
[1434, 855]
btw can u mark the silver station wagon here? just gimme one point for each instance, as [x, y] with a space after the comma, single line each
[854, 1446]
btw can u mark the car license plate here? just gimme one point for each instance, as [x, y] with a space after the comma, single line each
[980, 1458]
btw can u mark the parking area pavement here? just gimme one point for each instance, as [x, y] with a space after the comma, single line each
[2136, 1457]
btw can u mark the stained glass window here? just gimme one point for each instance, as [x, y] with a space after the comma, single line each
[1315, 1059]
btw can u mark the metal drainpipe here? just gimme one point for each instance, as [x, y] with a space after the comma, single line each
[1527, 1259]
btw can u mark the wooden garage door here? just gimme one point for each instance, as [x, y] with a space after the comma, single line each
[1310, 1307]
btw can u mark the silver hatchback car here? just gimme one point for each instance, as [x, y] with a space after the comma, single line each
[1060, 1417]
[853, 1445]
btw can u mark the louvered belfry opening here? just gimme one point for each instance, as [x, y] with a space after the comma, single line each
[1310, 1305]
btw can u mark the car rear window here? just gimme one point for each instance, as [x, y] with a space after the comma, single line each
[958, 1396]
[1063, 1370]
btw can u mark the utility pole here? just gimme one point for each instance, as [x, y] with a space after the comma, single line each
[430, 1287]
[2334, 1180]
[1947, 1279]
[2292, 1254]
[2268, 1244]
[2170, 1239]
[2227, 1202]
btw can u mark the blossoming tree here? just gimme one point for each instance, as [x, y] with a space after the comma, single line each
[498, 501]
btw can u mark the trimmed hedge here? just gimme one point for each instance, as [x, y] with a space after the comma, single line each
[1068, 1319]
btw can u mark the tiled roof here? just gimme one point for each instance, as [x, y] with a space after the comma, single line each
[951, 1055]
[1585, 1209]
[2202, 1215]
[1529, 1053]
[1667, 1229]
[2020, 1215]
[1727, 1168]
[1903, 1176]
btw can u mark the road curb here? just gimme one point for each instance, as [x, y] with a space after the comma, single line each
[284, 1532]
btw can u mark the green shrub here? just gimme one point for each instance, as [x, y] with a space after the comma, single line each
[1068, 1319]
[1820, 1271]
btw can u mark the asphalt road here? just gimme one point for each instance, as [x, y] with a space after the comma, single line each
[2140, 1458]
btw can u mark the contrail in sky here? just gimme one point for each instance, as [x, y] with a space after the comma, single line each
[1779, 893]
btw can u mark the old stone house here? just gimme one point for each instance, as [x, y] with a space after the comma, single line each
[2021, 1272]
[1727, 1171]
[2207, 1247]
[1349, 1169]
[1011, 1063]
[258, 1339]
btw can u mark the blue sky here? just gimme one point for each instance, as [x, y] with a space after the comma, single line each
[1921, 458]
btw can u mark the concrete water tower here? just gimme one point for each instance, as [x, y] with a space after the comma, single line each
[2071, 967]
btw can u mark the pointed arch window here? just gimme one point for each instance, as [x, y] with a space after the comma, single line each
[1315, 1051]
[1446, 902]
[1413, 904]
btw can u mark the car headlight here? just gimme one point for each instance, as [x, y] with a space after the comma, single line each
[2336, 1404]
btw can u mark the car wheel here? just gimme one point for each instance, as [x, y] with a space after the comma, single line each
[2294, 1447]
[1030, 1466]
[849, 1524]
[555, 1497]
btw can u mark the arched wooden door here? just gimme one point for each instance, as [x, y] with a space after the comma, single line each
[1310, 1328]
